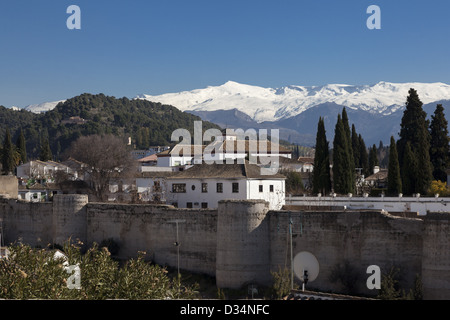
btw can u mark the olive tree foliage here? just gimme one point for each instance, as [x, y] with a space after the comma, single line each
[391, 289]
[281, 282]
[107, 157]
[30, 273]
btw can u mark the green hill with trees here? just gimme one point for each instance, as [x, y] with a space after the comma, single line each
[147, 123]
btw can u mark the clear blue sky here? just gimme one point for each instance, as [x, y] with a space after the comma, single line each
[125, 48]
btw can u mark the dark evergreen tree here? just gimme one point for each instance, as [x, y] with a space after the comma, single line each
[8, 161]
[407, 170]
[58, 150]
[394, 178]
[342, 168]
[363, 157]
[355, 148]
[321, 173]
[46, 152]
[348, 136]
[373, 158]
[21, 147]
[414, 129]
[439, 144]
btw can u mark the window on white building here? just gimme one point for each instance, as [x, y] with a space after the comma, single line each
[271, 188]
[235, 187]
[219, 187]
[179, 188]
[261, 189]
[204, 187]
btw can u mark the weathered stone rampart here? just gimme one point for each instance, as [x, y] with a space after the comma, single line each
[436, 256]
[346, 243]
[153, 229]
[243, 241]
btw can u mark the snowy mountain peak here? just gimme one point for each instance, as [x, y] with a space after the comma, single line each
[270, 104]
[43, 107]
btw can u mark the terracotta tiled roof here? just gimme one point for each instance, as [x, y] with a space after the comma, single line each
[225, 171]
[380, 175]
[306, 159]
[156, 174]
[152, 157]
[179, 150]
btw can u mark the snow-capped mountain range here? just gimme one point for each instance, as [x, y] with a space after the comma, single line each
[272, 104]
[376, 110]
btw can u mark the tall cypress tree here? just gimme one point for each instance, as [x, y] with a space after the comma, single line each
[439, 144]
[21, 147]
[321, 173]
[408, 168]
[373, 158]
[46, 152]
[8, 162]
[342, 174]
[355, 148]
[394, 178]
[363, 157]
[348, 136]
[414, 129]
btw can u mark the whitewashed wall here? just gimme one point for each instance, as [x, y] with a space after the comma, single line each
[393, 204]
[211, 197]
[276, 198]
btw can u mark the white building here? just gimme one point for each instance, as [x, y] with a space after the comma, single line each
[240, 149]
[296, 165]
[37, 192]
[180, 155]
[221, 151]
[139, 154]
[41, 170]
[203, 186]
[152, 186]
[121, 189]
[307, 164]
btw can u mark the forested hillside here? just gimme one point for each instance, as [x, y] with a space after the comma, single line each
[147, 123]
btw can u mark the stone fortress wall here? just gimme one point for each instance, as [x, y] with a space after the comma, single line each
[243, 241]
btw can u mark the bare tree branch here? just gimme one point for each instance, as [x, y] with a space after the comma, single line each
[107, 157]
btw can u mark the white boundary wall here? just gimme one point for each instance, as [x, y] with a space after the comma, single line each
[394, 204]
